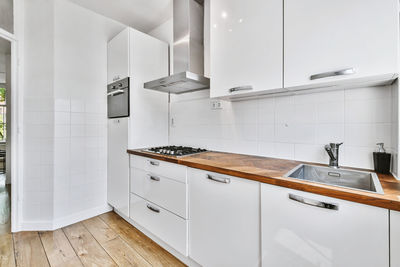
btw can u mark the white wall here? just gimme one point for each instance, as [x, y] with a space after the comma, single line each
[290, 127]
[80, 43]
[164, 32]
[38, 106]
[65, 113]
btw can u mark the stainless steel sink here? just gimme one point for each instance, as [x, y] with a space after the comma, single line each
[366, 181]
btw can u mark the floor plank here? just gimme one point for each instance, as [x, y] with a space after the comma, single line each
[86, 247]
[58, 249]
[120, 251]
[29, 250]
[6, 250]
[146, 247]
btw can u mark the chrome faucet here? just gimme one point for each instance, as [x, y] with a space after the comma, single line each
[333, 151]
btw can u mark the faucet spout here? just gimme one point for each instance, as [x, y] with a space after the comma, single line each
[333, 152]
[330, 153]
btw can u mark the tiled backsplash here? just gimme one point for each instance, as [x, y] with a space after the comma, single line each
[290, 127]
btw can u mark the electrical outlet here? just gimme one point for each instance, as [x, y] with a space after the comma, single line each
[216, 104]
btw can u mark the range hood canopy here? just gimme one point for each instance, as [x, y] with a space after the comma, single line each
[188, 20]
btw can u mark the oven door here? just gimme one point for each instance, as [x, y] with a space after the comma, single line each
[118, 103]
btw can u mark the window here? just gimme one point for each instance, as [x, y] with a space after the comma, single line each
[3, 114]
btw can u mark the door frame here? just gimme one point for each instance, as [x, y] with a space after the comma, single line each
[16, 113]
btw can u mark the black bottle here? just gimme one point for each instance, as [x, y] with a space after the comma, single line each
[382, 160]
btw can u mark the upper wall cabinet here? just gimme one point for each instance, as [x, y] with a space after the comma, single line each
[118, 57]
[329, 42]
[245, 47]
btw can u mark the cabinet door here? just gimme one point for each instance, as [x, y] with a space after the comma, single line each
[246, 46]
[394, 238]
[324, 37]
[224, 220]
[299, 234]
[118, 57]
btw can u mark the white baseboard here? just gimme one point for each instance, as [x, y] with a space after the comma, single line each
[80, 216]
[36, 226]
[64, 221]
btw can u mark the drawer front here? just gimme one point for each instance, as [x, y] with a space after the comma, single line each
[166, 169]
[165, 192]
[165, 225]
[293, 219]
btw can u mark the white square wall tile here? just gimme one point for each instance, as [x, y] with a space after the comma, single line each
[329, 133]
[311, 153]
[367, 134]
[358, 156]
[284, 150]
[330, 112]
[364, 93]
[62, 104]
[266, 110]
[266, 132]
[368, 111]
[284, 109]
[304, 133]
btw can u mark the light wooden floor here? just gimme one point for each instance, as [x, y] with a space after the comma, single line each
[105, 240]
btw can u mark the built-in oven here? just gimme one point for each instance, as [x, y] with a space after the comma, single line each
[118, 99]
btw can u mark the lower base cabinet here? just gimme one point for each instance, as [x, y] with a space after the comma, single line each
[165, 225]
[295, 232]
[394, 238]
[224, 220]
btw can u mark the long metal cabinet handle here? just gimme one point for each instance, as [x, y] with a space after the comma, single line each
[150, 207]
[219, 180]
[154, 178]
[241, 88]
[313, 202]
[333, 73]
[154, 163]
[116, 92]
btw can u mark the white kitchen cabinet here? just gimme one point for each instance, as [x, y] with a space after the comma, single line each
[394, 238]
[324, 37]
[168, 193]
[299, 234]
[224, 220]
[118, 57]
[246, 47]
[165, 225]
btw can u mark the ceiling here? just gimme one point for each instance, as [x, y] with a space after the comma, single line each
[143, 15]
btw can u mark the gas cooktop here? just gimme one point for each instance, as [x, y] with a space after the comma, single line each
[177, 151]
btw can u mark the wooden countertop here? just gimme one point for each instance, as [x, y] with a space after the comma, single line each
[272, 170]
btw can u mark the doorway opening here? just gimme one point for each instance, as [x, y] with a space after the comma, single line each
[5, 136]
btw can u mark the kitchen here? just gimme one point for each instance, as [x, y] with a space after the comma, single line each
[204, 133]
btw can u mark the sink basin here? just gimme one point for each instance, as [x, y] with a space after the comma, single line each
[366, 181]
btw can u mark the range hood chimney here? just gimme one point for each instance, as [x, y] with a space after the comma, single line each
[188, 20]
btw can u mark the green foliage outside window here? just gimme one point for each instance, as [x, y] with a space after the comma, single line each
[2, 114]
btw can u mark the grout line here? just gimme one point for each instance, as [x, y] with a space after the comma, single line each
[45, 253]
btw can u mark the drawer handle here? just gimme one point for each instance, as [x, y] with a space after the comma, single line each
[154, 163]
[333, 73]
[241, 88]
[219, 180]
[150, 207]
[154, 178]
[313, 202]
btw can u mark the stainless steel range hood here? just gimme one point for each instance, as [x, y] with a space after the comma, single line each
[188, 51]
